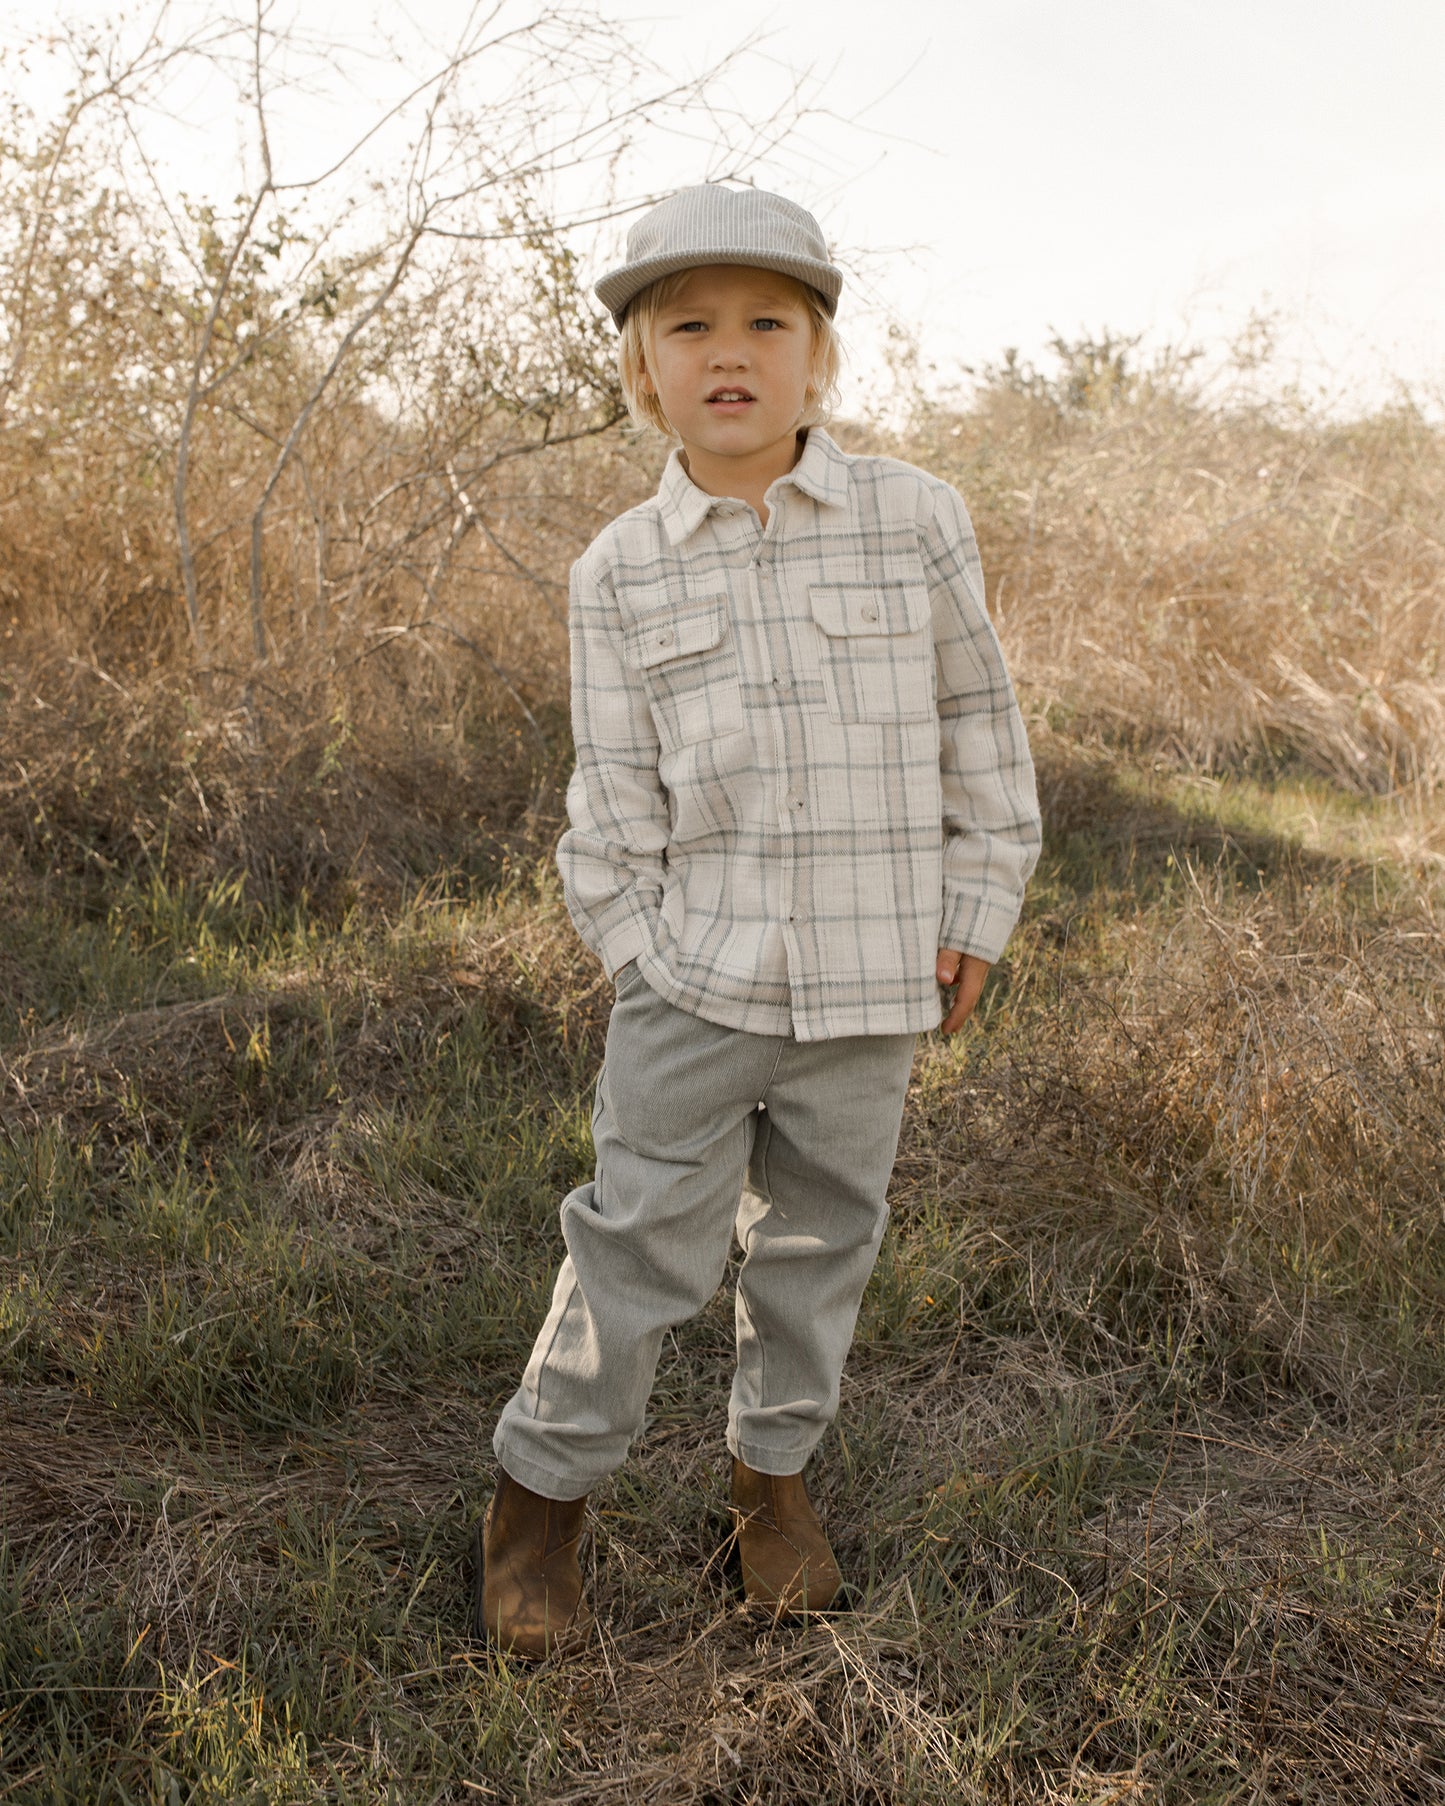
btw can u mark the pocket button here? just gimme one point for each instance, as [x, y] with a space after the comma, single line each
[869, 611]
[665, 636]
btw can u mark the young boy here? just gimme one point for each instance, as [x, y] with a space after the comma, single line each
[803, 801]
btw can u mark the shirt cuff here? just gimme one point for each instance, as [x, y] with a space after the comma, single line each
[971, 924]
[625, 942]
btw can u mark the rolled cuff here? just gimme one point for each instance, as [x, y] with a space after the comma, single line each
[620, 929]
[628, 941]
[971, 924]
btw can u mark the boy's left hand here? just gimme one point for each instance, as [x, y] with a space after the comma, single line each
[966, 971]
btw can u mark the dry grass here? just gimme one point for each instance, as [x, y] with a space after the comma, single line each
[1138, 1476]
[1215, 580]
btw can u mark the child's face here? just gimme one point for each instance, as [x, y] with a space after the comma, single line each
[729, 358]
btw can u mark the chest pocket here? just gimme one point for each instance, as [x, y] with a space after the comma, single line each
[877, 652]
[689, 663]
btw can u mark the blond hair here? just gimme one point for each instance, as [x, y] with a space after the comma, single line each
[824, 366]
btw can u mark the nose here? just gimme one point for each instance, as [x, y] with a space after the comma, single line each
[729, 350]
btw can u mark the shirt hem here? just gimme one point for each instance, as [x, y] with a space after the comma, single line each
[769, 1019]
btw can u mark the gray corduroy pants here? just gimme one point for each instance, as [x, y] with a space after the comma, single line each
[702, 1132]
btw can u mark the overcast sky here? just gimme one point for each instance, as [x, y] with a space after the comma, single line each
[992, 169]
[1158, 165]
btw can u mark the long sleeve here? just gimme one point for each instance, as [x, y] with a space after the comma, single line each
[991, 822]
[611, 856]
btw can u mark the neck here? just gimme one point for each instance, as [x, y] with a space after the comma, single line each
[748, 478]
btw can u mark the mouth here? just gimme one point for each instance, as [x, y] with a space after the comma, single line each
[730, 397]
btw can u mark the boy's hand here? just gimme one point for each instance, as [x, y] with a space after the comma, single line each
[967, 972]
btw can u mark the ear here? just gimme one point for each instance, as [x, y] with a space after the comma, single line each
[645, 382]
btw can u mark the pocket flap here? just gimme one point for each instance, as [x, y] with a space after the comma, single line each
[659, 638]
[854, 609]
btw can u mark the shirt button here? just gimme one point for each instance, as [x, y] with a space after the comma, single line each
[783, 683]
[869, 612]
[666, 636]
[796, 802]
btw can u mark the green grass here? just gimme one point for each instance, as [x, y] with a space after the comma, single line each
[1138, 1475]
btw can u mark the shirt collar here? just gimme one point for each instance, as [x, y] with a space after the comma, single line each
[821, 472]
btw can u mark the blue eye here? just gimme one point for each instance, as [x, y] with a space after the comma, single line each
[767, 325]
[691, 326]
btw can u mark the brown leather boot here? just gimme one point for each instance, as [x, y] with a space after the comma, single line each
[787, 1564]
[528, 1582]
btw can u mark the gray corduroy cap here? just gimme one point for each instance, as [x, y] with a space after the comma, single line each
[713, 224]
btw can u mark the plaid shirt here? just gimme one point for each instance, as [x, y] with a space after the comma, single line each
[801, 768]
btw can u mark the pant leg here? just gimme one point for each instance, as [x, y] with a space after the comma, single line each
[647, 1238]
[809, 1227]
